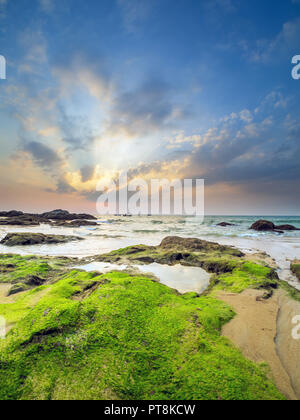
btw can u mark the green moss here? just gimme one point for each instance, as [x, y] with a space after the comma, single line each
[118, 336]
[295, 267]
[248, 275]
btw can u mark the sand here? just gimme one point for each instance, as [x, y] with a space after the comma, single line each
[262, 329]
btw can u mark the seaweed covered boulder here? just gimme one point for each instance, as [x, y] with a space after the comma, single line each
[17, 239]
[194, 244]
[210, 256]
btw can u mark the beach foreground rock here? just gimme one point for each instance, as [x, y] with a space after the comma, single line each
[17, 239]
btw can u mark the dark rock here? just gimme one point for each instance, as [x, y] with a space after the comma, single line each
[12, 213]
[73, 223]
[17, 239]
[225, 224]
[65, 215]
[286, 227]
[263, 225]
[17, 288]
[145, 260]
[34, 281]
[19, 221]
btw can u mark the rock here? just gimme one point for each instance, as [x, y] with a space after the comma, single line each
[193, 244]
[34, 281]
[17, 288]
[19, 221]
[12, 213]
[225, 224]
[74, 223]
[286, 227]
[263, 225]
[65, 215]
[17, 239]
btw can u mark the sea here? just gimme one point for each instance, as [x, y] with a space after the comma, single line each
[114, 232]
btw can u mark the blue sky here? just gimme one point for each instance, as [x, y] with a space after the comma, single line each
[161, 88]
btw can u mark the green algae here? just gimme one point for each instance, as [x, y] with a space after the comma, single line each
[122, 336]
[295, 267]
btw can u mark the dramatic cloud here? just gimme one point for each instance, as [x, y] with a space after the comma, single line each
[150, 107]
[42, 155]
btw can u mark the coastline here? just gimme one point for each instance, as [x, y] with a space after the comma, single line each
[242, 276]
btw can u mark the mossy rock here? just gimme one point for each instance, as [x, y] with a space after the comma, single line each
[128, 338]
[18, 239]
[18, 288]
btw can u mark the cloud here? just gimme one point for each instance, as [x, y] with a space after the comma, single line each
[43, 155]
[147, 108]
[285, 43]
[47, 6]
[87, 173]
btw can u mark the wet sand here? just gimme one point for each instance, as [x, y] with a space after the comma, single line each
[262, 329]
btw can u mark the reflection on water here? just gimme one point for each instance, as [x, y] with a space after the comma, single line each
[184, 279]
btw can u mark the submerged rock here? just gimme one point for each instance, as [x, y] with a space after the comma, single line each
[17, 239]
[74, 223]
[225, 224]
[286, 227]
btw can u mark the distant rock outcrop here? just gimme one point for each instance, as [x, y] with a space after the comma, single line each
[65, 215]
[225, 224]
[12, 213]
[267, 226]
[15, 218]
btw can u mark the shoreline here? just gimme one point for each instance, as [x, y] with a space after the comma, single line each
[234, 278]
[262, 331]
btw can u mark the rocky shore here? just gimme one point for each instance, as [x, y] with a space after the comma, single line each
[61, 321]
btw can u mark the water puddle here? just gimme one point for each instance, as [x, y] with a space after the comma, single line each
[183, 279]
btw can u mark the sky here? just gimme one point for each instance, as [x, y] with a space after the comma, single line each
[158, 88]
